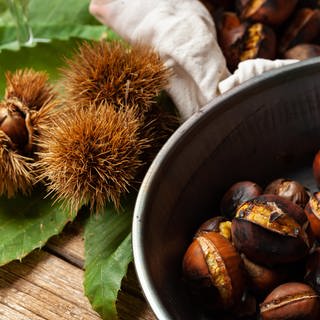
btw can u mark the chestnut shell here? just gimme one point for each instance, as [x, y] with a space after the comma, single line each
[268, 245]
[289, 189]
[201, 278]
[312, 211]
[291, 300]
[272, 12]
[237, 194]
[264, 246]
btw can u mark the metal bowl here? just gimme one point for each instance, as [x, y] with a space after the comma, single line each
[267, 128]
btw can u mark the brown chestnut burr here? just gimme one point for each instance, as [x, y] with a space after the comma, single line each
[236, 195]
[270, 230]
[272, 12]
[259, 42]
[216, 224]
[303, 51]
[316, 168]
[304, 28]
[291, 300]
[289, 189]
[312, 275]
[211, 264]
[312, 211]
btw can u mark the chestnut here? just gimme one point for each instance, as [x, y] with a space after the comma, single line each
[291, 300]
[312, 275]
[237, 194]
[213, 271]
[261, 279]
[230, 31]
[312, 211]
[270, 230]
[316, 168]
[303, 51]
[216, 224]
[304, 28]
[259, 42]
[289, 189]
[13, 126]
[272, 12]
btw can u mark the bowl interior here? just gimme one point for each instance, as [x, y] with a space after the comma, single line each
[266, 128]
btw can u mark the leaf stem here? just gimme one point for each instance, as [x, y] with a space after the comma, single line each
[24, 32]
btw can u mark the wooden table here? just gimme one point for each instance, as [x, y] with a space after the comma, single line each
[47, 284]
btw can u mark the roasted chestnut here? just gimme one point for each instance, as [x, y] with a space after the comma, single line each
[270, 230]
[291, 300]
[213, 271]
[272, 12]
[304, 28]
[216, 224]
[237, 194]
[312, 211]
[261, 279]
[316, 168]
[290, 190]
[259, 42]
[230, 32]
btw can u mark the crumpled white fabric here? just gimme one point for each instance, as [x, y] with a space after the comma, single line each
[251, 68]
[184, 34]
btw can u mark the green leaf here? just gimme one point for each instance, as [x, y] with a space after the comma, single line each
[26, 223]
[108, 252]
[59, 19]
[47, 57]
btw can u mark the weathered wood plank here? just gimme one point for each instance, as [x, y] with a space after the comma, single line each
[43, 286]
[69, 245]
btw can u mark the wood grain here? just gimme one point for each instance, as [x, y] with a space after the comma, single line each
[44, 287]
[47, 284]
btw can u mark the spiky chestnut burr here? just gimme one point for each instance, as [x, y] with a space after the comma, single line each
[111, 72]
[24, 113]
[91, 156]
[29, 87]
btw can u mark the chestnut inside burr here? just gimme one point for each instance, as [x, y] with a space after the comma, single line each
[13, 125]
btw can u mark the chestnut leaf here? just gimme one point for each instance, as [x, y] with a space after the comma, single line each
[108, 252]
[26, 223]
[59, 19]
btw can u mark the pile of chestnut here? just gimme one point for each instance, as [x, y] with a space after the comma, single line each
[260, 258]
[270, 29]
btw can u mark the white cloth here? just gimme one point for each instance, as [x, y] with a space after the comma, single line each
[184, 34]
[250, 68]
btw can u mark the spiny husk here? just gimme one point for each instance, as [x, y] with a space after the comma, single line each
[16, 171]
[91, 155]
[30, 87]
[158, 124]
[28, 91]
[111, 72]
